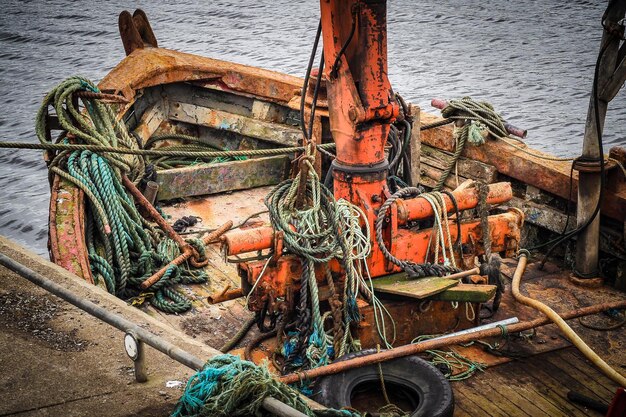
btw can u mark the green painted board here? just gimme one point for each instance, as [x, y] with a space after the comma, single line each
[467, 293]
[399, 284]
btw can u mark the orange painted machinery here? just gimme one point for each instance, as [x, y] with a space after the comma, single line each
[362, 107]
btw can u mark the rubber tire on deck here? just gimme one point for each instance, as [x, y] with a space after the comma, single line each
[415, 374]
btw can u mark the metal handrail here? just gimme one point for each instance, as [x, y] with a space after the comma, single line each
[142, 335]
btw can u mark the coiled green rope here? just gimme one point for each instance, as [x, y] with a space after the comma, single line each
[228, 386]
[123, 248]
[478, 118]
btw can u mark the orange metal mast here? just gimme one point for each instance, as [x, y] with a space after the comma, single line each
[360, 98]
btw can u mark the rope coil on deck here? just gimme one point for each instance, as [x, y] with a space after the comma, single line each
[123, 248]
[228, 386]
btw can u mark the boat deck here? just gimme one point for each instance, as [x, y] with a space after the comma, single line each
[538, 385]
[546, 367]
[535, 383]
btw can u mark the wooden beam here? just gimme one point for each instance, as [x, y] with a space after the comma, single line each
[221, 177]
[221, 120]
[471, 293]
[589, 192]
[415, 147]
[150, 121]
[547, 175]
[467, 168]
[430, 177]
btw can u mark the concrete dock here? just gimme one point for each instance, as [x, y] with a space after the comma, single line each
[58, 360]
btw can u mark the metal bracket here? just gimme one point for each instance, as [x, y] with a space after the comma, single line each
[135, 349]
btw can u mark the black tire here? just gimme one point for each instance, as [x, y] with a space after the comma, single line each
[431, 391]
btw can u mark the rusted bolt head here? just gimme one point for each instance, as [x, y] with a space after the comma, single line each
[376, 198]
[353, 114]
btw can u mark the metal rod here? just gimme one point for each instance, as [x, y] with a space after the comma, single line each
[270, 404]
[463, 274]
[225, 296]
[153, 213]
[141, 372]
[408, 350]
[487, 326]
[186, 255]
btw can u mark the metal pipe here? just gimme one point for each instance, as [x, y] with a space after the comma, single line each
[227, 295]
[141, 372]
[260, 238]
[515, 131]
[487, 326]
[419, 208]
[270, 404]
[151, 191]
[408, 350]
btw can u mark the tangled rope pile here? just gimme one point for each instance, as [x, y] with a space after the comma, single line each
[324, 230]
[228, 386]
[451, 363]
[181, 143]
[123, 248]
[414, 270]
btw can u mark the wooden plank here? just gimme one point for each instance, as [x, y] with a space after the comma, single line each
[542, 215]
[213, 99]
[150, 121]
[467, 293]
[399, 284]
[567, 380]
[220, 177]
[582, 366]
[415, 147]
[551, 176]
[531, 390]
[459, 410]
[222, 120]
[462, 402]
[587, 378]
[504, 386]
[487, 399]
[553, 389]
[467, 168]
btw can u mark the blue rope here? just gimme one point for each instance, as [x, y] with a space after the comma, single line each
[230, 386]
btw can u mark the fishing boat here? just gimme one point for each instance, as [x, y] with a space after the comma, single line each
[262, 214]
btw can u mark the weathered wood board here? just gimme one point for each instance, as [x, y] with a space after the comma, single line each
[399, 284]
[217, 119]
[547, 175]
[221, 177]
[472, 293]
